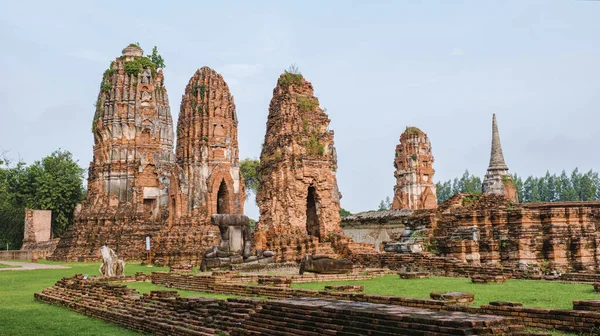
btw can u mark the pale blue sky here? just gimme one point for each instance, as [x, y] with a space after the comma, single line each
[377, 66]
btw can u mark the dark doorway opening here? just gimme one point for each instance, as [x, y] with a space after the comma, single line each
[150, 206]
[312, 221]
[223, 199]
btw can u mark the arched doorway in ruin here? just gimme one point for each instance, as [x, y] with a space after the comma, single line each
[223, 198]
[312, 221]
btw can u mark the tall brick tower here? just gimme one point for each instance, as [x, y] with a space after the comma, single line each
[207, 179]
[414, 187]
[298, 194]
[128, 181]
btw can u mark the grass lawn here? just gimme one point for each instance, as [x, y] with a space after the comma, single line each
[7, 266]
[531, 293]
[21, 315]
[542, 294]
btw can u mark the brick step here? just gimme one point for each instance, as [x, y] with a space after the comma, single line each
[357, 324]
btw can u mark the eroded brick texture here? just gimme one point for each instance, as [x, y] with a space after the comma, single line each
[207, 178]
[165, 313]
[492, 230]
[137, 186]
[298, 196]
[497, 180]
[414, 187]
[129, 176]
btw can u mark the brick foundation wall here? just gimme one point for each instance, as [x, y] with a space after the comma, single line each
[165, 313]
[576, 321]
[24, 255]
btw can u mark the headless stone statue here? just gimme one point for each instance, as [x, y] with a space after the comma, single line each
[111, 265]
[324, 265]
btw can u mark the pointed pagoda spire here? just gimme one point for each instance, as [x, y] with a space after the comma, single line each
[496, 156]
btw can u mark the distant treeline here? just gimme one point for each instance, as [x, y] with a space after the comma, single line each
[53, 183]
[576, 186]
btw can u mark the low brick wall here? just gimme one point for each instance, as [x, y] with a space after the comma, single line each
[24, 255]
[580, 277]
[576, 321]
[165, 313]
[434, 265]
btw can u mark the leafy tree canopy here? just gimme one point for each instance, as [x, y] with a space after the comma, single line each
[250, 172]
[53, 183]
[576, 186]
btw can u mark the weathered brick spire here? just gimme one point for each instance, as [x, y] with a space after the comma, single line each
[298, 193]
[496, 157]
[414, 187]
[497, 179]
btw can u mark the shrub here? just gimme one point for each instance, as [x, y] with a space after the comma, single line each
[138, 64]
[106, 86]
[412, 130]
[306, 103]
[289, 78]
[314, 146]
[468, 200]
[156, 58]
[306, 126]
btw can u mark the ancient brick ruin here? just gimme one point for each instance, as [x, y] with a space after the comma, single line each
[294, 316]
[209, 180]
[129, 177]
[298, 196]
[137, 185]
[414, 187]
[497, 180]
[293, 311]
[206, 179]
[38, 231]
[140, 187]
[491, 230]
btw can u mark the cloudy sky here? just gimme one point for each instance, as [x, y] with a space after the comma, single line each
[377, 66]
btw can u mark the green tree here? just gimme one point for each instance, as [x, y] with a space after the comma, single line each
[548, 188]
[250, 172]
[567, 191]
[156, 58]
[444, 191]
[12, 207]
[385, 204]
[518, 183]
[345, 213]
[58, 183]
[54, 183]
[587, 188]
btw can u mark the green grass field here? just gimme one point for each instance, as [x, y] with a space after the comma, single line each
[5, 266]
[21, 315]
[531, 293]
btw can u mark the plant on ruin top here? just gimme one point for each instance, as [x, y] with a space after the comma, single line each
[412, 130]
[291, 76]
[156, 58]
[469, 199]
[137, 64]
